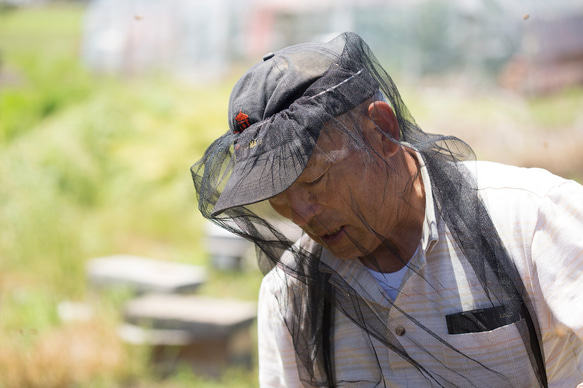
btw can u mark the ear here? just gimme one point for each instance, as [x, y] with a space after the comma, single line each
[383, 119]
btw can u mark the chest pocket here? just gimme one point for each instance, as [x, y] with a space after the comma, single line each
[480, 320]
[488, 347]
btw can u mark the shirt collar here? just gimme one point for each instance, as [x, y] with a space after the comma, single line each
[429, 234]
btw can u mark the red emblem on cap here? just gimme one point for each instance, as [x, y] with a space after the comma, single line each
[242, 122]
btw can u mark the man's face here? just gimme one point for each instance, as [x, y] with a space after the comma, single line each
[343, 198]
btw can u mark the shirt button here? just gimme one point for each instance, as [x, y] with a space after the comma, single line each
[400, 331]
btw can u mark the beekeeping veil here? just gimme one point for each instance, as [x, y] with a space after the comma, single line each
[276, 113]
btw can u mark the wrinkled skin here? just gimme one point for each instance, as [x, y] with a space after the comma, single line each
[345, 198]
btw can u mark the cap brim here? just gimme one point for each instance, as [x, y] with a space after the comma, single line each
[264, 175]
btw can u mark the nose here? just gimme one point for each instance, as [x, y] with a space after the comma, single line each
[296, 204]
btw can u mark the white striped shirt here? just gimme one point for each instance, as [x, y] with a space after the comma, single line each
[539, 218]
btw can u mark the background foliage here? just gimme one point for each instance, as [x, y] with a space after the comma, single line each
[91, 166]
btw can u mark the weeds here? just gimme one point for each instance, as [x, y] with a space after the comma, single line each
[90, 166]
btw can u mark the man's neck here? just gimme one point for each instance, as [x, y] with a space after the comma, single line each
[399, 247]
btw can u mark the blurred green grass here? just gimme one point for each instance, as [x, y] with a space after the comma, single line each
[91, 166]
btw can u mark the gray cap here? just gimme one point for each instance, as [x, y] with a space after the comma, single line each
[278, 107]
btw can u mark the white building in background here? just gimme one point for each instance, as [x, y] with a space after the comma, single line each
[201, 39]
[187, 37]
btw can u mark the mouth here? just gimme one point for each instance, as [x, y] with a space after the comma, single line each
[332, 236]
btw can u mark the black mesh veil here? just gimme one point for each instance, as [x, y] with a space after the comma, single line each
[244, 168]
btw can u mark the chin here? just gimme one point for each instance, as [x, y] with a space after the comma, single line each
[344, 254]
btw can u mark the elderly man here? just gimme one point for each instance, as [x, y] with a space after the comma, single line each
[413, 265]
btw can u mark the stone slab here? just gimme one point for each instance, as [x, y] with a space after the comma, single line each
[200, 316]
[145, 274]
[206, 334]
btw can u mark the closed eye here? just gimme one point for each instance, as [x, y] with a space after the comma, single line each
[313, 182]
[317, 179]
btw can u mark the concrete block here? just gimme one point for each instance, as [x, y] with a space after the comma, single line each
[145, 275]
[208, 334]
[226, 249]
